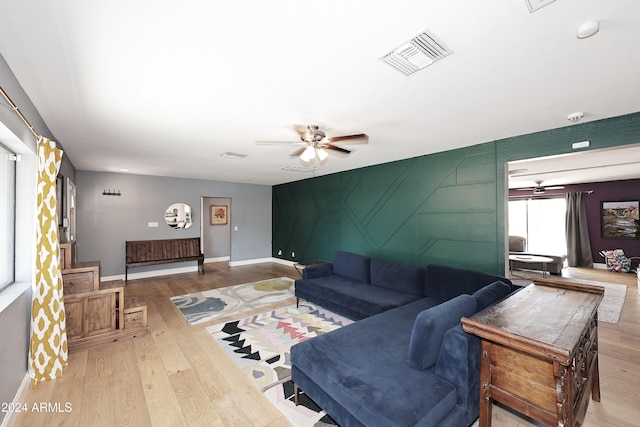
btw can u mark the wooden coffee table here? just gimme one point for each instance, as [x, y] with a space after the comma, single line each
[532, 259]
[540, 352]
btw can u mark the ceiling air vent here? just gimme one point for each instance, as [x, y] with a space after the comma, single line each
[417, 53]
[297, 169]
[230, 155]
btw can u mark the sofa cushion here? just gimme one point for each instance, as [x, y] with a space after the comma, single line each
[363, 366]
[430, 326]
[358, 297]
[517, 244]
[351, 266]
[491, 294]
[445, 282]
[398, 277]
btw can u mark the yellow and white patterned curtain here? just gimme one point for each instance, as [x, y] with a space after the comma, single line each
[48, 346]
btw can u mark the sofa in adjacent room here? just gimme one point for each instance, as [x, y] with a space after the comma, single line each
[518, 246]
[405, 361]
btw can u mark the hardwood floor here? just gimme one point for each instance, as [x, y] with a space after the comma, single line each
[177, 375]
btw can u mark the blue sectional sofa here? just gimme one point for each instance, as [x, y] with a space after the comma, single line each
[406, 361]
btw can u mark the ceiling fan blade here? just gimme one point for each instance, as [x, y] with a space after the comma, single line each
[300, 128]
[334, 149]
[279, 142]
[298, 152]
[554, 187]
[360, 138]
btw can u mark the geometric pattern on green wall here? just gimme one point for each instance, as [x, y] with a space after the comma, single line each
[445, 207]
[436, 208]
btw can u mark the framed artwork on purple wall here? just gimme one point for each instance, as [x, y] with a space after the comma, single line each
[620, 219]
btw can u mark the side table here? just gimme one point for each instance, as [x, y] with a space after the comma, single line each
[540, 352]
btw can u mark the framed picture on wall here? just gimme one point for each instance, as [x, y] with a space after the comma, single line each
[620, 220]
[219, 215]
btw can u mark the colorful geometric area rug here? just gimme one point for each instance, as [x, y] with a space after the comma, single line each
[260, 345]
[204, 306]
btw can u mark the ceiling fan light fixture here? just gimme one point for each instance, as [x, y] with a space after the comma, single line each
[322, 154]
[308, 154]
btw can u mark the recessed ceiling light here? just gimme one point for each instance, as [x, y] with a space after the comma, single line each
[230, 155]
[574, 117]
[588, 29]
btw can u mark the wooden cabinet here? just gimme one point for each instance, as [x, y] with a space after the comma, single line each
[81, 278]
[95, 313]
[135, 313]
[67, 255]
[540, 352]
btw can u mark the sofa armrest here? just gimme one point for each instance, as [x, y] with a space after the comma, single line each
[318, 270]
[459, 363]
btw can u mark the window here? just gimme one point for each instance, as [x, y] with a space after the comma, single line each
[541, 222]
[7, 216]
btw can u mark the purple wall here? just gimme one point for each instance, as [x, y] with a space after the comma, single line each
[603, 192]
[608, 192]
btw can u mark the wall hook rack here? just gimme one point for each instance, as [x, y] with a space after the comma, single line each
[111, 193]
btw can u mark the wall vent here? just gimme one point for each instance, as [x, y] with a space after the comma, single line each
[417, 53]
[230, 155]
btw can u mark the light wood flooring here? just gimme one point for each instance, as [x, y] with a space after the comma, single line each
[177, 375]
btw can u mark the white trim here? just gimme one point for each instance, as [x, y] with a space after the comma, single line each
[152, 273]
[217, 259]
[168, 271]
[11, 293]
[18, 398]
[283, 262]
[599, 265]
[260, 261]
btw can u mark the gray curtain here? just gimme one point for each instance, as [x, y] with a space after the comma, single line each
[578, 245]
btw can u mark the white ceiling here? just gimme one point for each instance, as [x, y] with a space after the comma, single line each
[164, 87]
[612, 164]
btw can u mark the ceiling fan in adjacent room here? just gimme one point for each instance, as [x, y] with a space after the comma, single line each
[539, 189]
[315, 144]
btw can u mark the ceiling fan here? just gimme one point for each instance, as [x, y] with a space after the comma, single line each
[315, 144]
[539, 189]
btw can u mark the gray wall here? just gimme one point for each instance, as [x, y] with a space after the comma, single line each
[14, 333]
[106, 222]
[216, 239]
[15, 301]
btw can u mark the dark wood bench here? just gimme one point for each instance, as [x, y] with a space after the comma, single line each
[154, 252]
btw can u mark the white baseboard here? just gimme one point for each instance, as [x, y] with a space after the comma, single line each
[217, 259]
[260, 261]
[18, 399]
[283, 262]
[153, 273]
[192, 269]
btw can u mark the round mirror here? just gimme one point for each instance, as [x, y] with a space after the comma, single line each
[178, 216]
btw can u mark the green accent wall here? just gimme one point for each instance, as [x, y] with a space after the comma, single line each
[446, 208]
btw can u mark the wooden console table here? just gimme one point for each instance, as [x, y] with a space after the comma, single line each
[540, 352]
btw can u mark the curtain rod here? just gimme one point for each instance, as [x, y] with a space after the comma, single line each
[15, 108]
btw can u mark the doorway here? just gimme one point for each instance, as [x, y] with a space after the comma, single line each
[216, 228]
